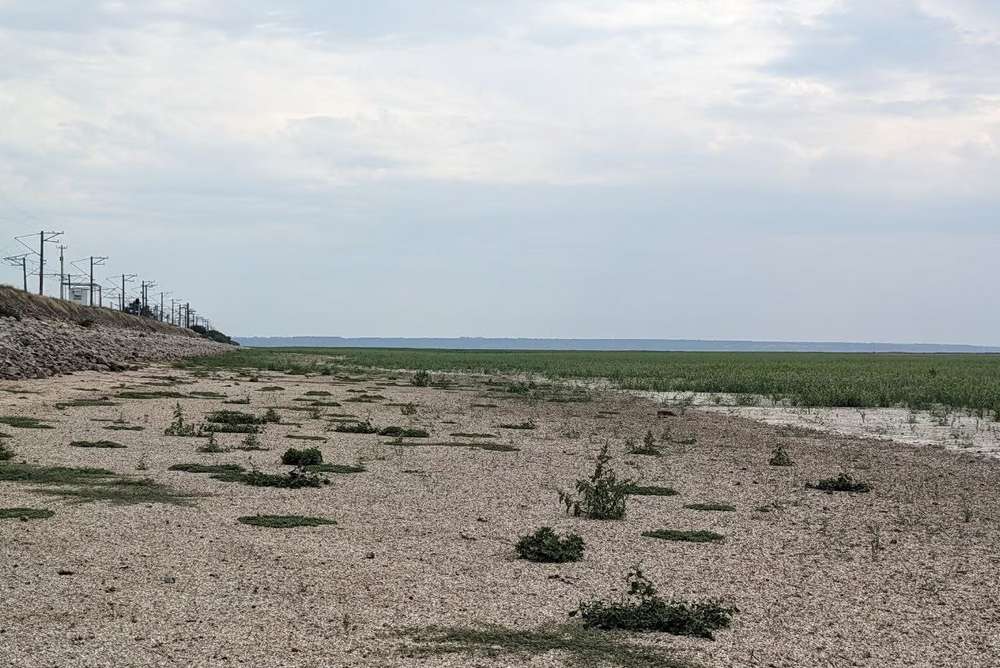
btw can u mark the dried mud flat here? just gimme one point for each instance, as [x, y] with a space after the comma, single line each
[907, 575]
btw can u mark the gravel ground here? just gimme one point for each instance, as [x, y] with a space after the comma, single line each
[425, 535]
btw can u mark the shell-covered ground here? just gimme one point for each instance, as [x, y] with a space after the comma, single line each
[905, 575]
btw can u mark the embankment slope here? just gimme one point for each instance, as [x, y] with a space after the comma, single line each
[41, 337]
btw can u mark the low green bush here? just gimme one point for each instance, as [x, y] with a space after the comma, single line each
[546, 546]
[304, 457]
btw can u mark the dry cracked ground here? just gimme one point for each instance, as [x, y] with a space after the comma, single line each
[164, 574]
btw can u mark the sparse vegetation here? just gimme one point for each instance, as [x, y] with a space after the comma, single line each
[642, 609]
[711, 507]
[21, 422]
[305, 457]
[684, 536]
[842, 483]
[526, 424]
[96, 444]
[212, 446]
[651, 490]
[581, 647]
[600, 497]
[421, 379]
[91, 484]
[25, 514]
[545, 545]
[365, 427]
[206, 468]
[297, 478]
[780, 457]
[404, 432]
[284, 521]
[179, 427]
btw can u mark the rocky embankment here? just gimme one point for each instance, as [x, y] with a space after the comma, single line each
[41, 337]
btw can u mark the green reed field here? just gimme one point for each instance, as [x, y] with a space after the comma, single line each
[970, 382]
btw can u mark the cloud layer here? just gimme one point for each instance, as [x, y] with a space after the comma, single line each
[809, 169]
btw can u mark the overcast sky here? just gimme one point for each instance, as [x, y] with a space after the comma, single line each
[752, 169]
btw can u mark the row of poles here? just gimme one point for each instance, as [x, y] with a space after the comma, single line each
[181, 312]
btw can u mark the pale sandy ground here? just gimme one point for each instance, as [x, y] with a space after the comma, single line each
[188, 586]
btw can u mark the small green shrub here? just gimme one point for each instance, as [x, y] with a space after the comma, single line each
[284, 521]
[124, 427]
[842, 483]
[684, 536]
[404, 432]
[780, 457]
[602, 496]
[5, 453]
[96, 444]
[642, 609]
[546, 546]
[318, 393]
[304, 457]
[212, 446]
[271, 416]
[250, 442]
[421, 379]
[408, 409]
[335, 468]
[178, 427]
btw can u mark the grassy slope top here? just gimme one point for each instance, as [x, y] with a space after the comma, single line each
[810, 379]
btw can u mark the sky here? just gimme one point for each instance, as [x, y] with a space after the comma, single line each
[823, 170]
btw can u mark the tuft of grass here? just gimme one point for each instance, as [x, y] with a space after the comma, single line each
[718, 507]
[212, 446]
[365, 427]
[642, 610]
[91, 484]
[526, 424]
[284, 521]
[684, 536]
[20, 422]
[463, 434]
[206, 468]
[124, 427]
[492, 447]
[404, 432]
[318, 393]
[335, 468]
[74, 403]
[842, 483]
[651, 490]
[305, 457]
[421, 379]
[25, 514]
[546, 546]
[6, 453]
[271, 388]
[305, 437]
[217, 428]
[96, 444]
[581, 647]
[161, 394]
[179, 427]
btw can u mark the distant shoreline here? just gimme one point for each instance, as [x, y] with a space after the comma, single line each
[607, 345]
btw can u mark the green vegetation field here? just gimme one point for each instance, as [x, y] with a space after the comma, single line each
[970, 382]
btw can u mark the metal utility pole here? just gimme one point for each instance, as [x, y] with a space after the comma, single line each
[62, 272]
[162, 294]
[22, 262]
[129, 278]
[44, 238]
[95, 262]
[187, 313]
